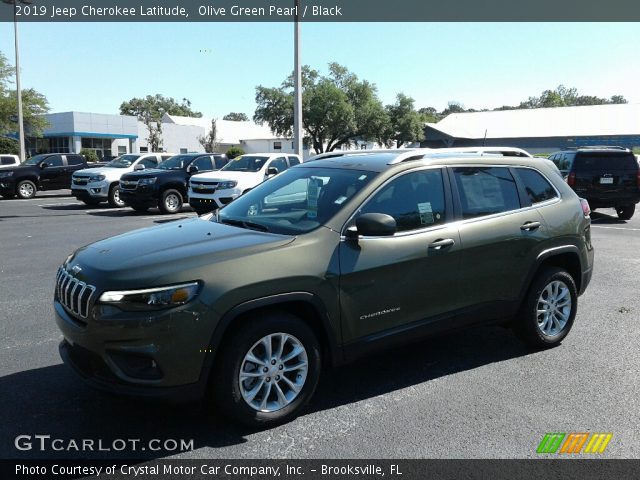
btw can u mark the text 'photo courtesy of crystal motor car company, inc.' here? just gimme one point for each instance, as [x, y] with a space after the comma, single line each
[248, 304]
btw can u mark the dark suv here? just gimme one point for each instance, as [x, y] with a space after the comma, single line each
[166, 186]
[321, 264]
[606, 176]
[49, 171]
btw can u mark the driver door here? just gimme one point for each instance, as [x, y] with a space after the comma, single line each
[52, 177]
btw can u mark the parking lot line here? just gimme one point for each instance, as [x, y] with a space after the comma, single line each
[58, 204]
[616, 228]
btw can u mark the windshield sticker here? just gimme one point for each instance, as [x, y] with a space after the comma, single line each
[426, 213]
[313, 191]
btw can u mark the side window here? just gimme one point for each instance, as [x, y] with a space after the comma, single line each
[280, 163]
[564, 163]
[221, 161]
[293, 161]
[486, 190]
[74, 160]
[54, 161]
[6, 161]
[537, 187]
[203, 163]
[149, 162]
[165, 157]
[415, 200]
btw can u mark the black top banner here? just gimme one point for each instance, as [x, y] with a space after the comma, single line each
[320, 10]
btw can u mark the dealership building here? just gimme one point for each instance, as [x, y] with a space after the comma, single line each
[113, 135]
[539, 130]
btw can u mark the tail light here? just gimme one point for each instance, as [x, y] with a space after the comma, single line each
[571, 179]
[586, 209]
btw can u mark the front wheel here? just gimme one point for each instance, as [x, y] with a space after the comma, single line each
[170, 201]
[269, 370]
[114, 197]
[26, 189]
[548, 312]
[625, 212]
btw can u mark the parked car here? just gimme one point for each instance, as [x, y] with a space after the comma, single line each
[210, 191]
[608, 177]
[49, 171]
[166, 186]
[7, 161]
[319, 265]
[102, 184]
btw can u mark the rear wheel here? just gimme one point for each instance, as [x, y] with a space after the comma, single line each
[547, 314]
[170, 201]
[625, 212]
[269, 370]
[114, 196]
[26, 189]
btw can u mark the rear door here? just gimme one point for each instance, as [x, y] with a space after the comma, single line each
[73, 164]
[606, 178]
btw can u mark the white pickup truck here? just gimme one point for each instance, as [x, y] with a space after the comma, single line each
[213, 190]
[95, 185]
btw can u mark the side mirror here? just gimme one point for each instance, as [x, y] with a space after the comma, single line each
[372, 225]
[192, 169]
[139, 167]
[44, 165]
[272, 171]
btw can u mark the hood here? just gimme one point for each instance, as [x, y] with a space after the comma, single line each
[88, 172]
[140, 258]
[148, 172]
[226, 175]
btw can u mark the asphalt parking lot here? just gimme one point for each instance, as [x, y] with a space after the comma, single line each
[477, 394]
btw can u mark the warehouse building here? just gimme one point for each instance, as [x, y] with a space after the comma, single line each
[540, 130]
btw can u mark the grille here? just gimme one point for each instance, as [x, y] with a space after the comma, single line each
[129, 184]
[73, 294]
[80, 180]
[198, 187]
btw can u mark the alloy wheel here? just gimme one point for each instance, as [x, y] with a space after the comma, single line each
[553, 308]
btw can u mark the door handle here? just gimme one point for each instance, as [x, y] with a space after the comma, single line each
[529, 226]
[442, 243]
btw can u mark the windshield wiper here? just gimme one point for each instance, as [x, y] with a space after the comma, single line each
[243, 224]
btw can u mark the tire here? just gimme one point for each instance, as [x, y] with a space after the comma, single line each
[625, 212]
[230, 392]
[114, 196]
[26, 189]
[552, 285]
[171, 201]
[91, 202]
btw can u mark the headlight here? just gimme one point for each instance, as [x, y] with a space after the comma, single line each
[147, 181]
[152, 298]
[97, 178]
[6, 174]
[227, 184]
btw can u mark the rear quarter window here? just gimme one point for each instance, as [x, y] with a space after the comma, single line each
[537, 187]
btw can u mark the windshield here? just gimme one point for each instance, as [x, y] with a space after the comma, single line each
[296, 201]
[177, 162]
[123, 161]
[35, 160]
[245, 163]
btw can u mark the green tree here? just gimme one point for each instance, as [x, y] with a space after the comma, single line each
[90, 155]
[150, 110]
[9, 146]
[405, 122]
[234, 152]
[567, 97]
[337, 109]
[34, 104]
[236, 117]
[210, 141]
[429, 114]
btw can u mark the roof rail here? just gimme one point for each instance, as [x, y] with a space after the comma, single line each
[600, 147]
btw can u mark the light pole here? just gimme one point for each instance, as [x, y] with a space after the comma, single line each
[19, 91]
[297, 85]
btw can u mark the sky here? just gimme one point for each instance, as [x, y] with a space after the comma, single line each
[94, 67]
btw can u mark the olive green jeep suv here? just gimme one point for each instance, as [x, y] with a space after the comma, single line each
[321, 264]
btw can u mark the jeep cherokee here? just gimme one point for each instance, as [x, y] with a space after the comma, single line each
[319, 265]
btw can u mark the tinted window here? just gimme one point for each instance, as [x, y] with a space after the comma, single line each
[605, 161]
[6, 161]
[293, 161]
[280, 163]
[537, 187]
[221, 161]
[149, 162]
[203, 163]
[486, 190]
[74, 160]
[54, 161]
[415, 200]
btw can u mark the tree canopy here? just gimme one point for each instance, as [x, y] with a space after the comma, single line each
[406, 124]
[337, 109]
[34, 104]
[236, 117]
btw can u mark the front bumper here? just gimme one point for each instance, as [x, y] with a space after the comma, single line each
[151, 356]
[213, 202]
[91, 190]
[139, 197]
[7, 186]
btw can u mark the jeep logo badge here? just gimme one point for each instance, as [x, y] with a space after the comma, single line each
[76, 269]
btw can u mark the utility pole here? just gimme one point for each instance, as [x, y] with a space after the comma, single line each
[297, 84]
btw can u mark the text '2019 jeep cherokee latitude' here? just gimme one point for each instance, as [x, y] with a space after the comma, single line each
[319, 265]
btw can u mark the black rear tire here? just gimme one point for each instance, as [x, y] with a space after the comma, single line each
[527, 324]
[225, 384]
[625, 212]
